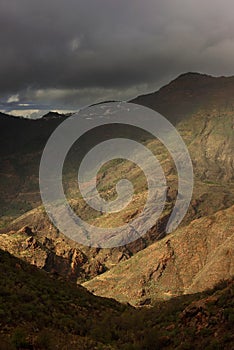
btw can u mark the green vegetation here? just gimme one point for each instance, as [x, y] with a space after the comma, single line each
[40, 311]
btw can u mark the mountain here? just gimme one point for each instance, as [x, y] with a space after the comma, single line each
[201, 108]
[40, 311]
[53, 115]
[189, 94]
[187, 261]
[5, 115]
[207, 131]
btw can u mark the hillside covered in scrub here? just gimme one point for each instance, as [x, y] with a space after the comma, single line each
[41, 311]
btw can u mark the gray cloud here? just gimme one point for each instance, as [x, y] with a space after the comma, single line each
[68, 53]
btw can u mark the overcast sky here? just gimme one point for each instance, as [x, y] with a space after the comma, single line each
[64, 54]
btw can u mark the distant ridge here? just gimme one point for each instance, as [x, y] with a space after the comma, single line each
[188, 76]
[193, 89]
[103, 102]
[188, 94]
[4, 115]
[48, 116]
[52, 115]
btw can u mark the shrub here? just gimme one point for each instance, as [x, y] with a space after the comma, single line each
[19, 339]
[44, 341]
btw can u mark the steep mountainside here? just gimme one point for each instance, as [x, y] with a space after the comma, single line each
[190, 260]
[188, 94]
[40, 312]
[33, 238]
[200, 106]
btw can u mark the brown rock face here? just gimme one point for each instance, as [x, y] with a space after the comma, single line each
[30, 242]
[33, 238]
[191, 260]
[197, 315]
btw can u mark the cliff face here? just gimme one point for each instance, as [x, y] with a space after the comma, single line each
[190, 260]
[34, 239]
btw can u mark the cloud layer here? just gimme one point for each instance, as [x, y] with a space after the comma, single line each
[68, 53]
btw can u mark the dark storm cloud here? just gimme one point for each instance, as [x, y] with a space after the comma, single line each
[71, 52]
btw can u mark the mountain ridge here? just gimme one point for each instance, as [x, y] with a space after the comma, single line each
[187, 261]
[28, 233]
[183, 77]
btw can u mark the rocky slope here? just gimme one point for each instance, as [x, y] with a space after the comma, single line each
[33, 238]
[39, 311]
[190, 93]
[200, 106]
[190, 260]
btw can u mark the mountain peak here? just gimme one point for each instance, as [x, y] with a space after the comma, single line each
[191, 79]
[192, 75]
[52, 115]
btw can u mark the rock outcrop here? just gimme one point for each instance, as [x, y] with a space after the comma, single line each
[190, 260]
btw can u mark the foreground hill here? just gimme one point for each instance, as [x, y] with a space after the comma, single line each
[38, 311]
[190, 260]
